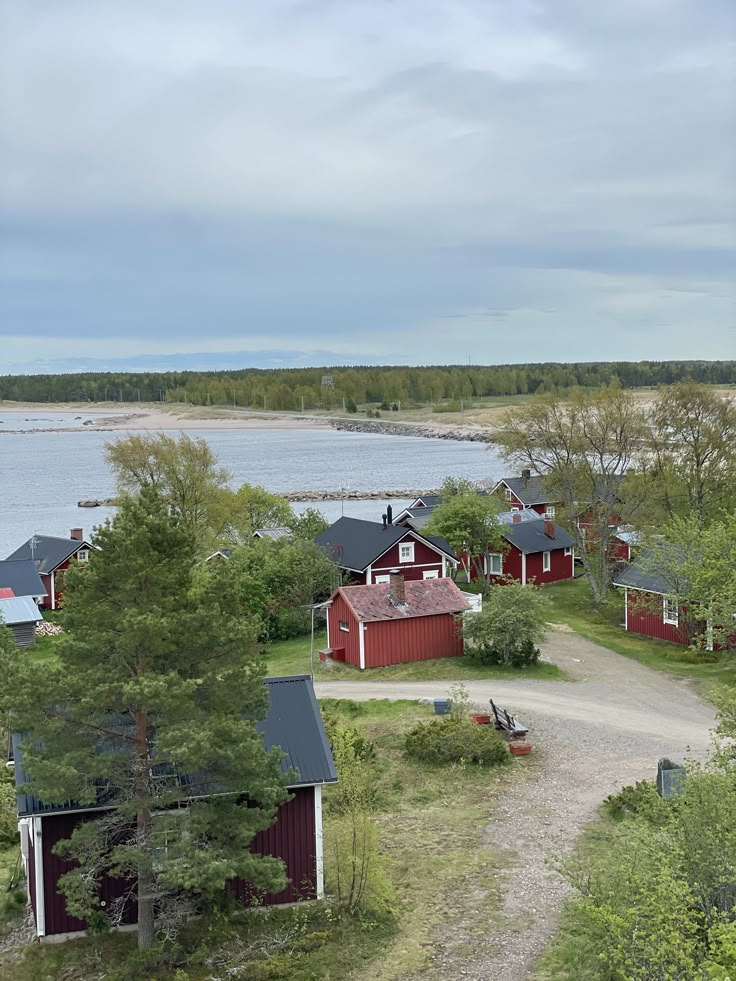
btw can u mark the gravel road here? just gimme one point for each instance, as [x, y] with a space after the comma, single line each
[605, 728]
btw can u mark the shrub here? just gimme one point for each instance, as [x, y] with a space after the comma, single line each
[641, 800]
[362, 749]
[457, 741]
[509, 627]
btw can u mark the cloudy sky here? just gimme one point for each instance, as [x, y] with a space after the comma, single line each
[406, 181]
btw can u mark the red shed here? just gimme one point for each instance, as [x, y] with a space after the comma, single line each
[369, 550]
[52, 557]
[650, 604]
[395, 622]
[293, 724]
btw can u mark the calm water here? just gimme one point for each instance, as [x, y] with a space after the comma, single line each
[43, 475]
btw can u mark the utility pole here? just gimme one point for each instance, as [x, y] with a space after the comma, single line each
[264, 401]
[106, 393]
[139, 394]
[121, 395]
[302, 404]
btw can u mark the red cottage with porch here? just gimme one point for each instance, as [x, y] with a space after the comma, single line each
[52, 557]
[395, 622]
[367, 551]
[526, 492]
[293, 724]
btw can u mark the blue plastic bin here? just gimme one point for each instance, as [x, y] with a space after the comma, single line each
[442, 706]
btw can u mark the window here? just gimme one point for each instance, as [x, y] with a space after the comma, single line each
[670, 611]
[494, 564]
[83, 555]
[430, 574]
[516, 507]
[509, 495]
[379, 579]
[546, 561]
[568, 550]
[344, 625]
[549, 511]
[406, 552]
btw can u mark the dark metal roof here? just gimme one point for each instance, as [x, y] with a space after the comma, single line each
[22, 577]
[646, 572]
[430, 501]
[529, 490]
[529, 537]
[355, 544]
[293, 724]
[48, 552]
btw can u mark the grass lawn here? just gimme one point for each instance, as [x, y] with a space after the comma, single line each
[571, 605]
[292, 657]
[442, 867]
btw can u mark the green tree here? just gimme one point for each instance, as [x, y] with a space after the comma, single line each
[309, 524]
[583, 447]
[184, 471]
[168, 681]
[469, 522]
[509, 626]
[251, 507]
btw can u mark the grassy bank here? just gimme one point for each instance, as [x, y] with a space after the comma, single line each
[571, 605]
[292, 657]
[432, 827]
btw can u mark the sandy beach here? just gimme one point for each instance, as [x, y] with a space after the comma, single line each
[153, 416]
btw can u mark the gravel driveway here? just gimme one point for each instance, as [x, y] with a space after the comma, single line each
[592, 735]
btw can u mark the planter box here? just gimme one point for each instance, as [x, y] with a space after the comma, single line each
[481, 718]
[520, 747]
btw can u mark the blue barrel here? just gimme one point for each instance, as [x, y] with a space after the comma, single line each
[442, 706]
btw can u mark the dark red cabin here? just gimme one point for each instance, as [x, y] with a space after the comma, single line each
[52, 557]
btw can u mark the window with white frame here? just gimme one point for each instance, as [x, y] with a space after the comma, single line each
[83, 555]
[494, 564]
[430, 574]
[549, 511]
[568, 550]
[670, 611]
[406, 552]
[546, 561]
[509, 494]
[344, 626]
[380, 579]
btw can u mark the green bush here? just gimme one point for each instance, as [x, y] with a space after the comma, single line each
[518, 657]
[362, 749]
[457, 741]
[641, 800]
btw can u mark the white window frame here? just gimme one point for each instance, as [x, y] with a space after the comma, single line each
[83, 555]
[546, 561]
[409, 547]
[344, 626]
[490, 571]
[382, 579]
[430, 574]
[549, 511]
[509, 494]
[568, 551]
[667, 616]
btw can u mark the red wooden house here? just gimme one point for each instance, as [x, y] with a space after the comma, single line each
[293, 724]
[537, 549]
[367, 551]
[52, 557]
[526, 492]
[394, 622]
[650, 606]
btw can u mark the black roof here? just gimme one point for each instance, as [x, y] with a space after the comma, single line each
[646, 571]
[22, 577]
[48, 552]
[293, 724]
[529, 536]
[529, 490]
[355, 544]
[430, 500]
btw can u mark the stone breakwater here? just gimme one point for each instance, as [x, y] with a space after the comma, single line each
[467, 434]
[354, 495]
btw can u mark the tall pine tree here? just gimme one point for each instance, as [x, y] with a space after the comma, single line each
[154, 679]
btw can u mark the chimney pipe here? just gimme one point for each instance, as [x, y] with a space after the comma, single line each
[385, 519]
[549, 528]
[516, 518]
[526, 474]
[389, 514]
[396, 588]
[78, 534]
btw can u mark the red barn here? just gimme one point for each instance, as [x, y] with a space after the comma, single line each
[526, 492]
[293, 724]
[395, 622]
[368, 551]
[52, 557]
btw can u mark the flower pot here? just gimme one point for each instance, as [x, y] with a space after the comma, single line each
[520, 747]
[481, 718]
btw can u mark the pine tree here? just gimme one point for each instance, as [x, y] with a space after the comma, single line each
[154, 679]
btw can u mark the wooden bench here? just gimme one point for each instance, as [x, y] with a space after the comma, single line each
[507, 723]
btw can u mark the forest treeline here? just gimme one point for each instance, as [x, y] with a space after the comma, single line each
[303, 388]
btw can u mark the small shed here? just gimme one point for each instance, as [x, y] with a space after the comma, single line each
[21, 615]
[394, 622]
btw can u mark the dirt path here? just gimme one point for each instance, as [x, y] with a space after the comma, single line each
[604, 729]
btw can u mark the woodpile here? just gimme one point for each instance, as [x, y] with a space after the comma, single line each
[46, 629]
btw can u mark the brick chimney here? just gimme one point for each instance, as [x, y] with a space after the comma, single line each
[78, 533]
[516, 517]
[549, 528]
[396, 588]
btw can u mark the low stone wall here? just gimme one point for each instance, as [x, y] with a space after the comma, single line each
[354, 495]
[471, 434]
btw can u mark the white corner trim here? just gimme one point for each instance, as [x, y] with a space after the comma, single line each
[523, 568]
[327, 616]
[368, 575]
[38, 872]
[53, 593]
[361, 637]
[626, 609]
[319, 842]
